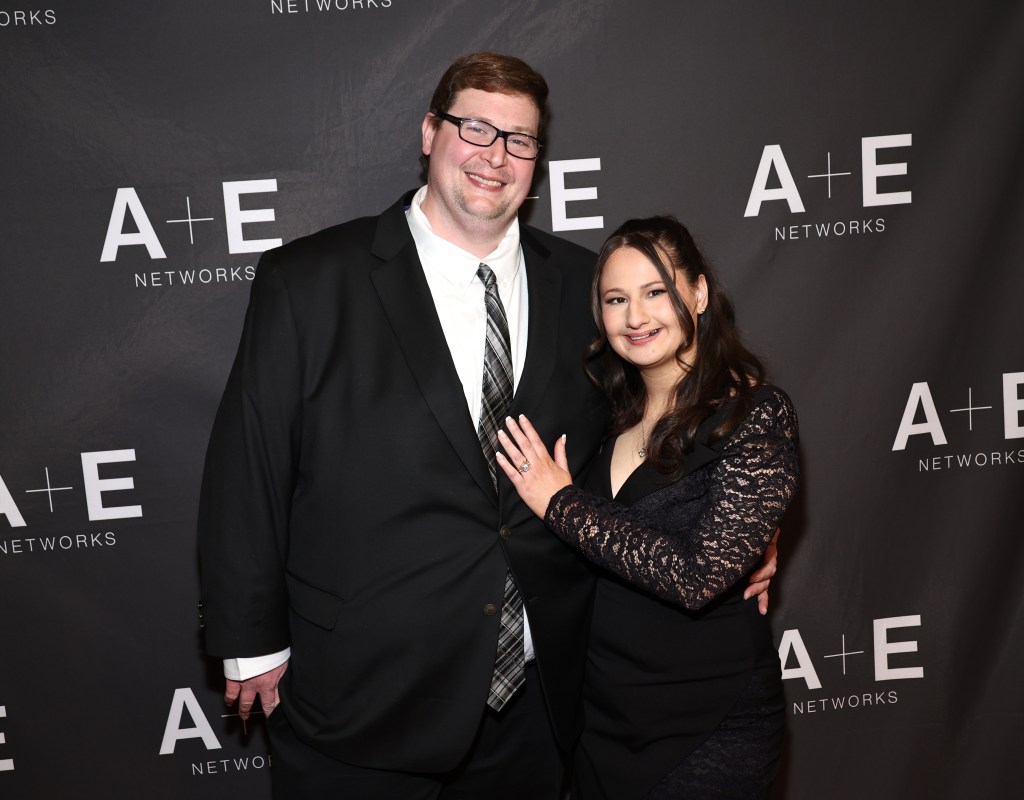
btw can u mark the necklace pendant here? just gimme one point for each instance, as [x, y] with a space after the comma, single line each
[642, 452]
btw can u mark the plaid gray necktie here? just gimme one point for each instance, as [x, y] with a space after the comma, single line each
[509, 666]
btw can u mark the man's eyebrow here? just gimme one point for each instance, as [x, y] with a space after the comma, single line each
[516, 129]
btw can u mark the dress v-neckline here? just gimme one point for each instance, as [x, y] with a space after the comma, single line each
[644, 479]
[640, 482]
[612, 493]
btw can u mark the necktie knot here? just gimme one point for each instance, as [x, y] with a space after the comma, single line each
[486, 276]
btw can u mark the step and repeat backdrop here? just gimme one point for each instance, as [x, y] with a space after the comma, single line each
[855, 170]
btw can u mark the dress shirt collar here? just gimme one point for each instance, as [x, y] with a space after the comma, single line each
[456, 265]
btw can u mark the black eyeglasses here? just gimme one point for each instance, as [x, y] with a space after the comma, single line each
[483, 134]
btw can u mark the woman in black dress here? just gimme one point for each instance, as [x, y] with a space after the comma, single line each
[683, 687]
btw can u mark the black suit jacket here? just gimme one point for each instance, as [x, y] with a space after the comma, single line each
[347, 510]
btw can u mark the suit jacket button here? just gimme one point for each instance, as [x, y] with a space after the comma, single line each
[490, 609]
[504, 531]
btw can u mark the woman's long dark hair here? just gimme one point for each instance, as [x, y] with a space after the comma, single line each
[723, 369]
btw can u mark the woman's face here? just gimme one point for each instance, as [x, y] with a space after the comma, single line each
[639, 318]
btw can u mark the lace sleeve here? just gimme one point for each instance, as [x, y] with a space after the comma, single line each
[691, 557]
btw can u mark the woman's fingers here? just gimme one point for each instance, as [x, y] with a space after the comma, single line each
[526, 436]
[524, 447]
[513, 474]
[512, 452]
[531, 434]
[521, 439]
[561, 457]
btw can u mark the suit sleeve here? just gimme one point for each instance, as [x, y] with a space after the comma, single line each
[750, 487]
[249, 478]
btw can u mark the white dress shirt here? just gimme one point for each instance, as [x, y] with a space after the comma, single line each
[459, 300]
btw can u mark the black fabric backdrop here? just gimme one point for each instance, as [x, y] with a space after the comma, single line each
[855, 170]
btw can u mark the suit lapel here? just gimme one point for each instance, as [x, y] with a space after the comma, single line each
[544, 285]
[409, 307]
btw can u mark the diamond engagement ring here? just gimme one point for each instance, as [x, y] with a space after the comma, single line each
[524, 467]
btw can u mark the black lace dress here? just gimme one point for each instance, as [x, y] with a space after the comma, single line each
[683, 691]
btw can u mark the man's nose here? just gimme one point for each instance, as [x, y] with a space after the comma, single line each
[496, 153]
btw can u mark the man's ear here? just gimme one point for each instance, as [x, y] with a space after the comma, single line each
[429, 130]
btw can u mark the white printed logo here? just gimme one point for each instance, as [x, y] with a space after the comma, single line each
[94, 487]
[127, 204]
[100, 506]
[921, 418]
[875, 167]
[885, 645]
[197, 726]
[871, 171]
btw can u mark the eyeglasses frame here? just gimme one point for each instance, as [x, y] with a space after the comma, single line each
[500, 134]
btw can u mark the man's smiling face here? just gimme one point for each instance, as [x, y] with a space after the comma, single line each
[474, 192]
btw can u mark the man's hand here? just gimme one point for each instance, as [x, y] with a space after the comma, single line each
[245, 692]
[760, 578]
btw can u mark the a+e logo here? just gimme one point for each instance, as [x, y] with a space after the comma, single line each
[127, 202]
[871, 170]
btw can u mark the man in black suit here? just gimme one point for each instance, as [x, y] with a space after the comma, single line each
[358, 556]
[350, 525]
